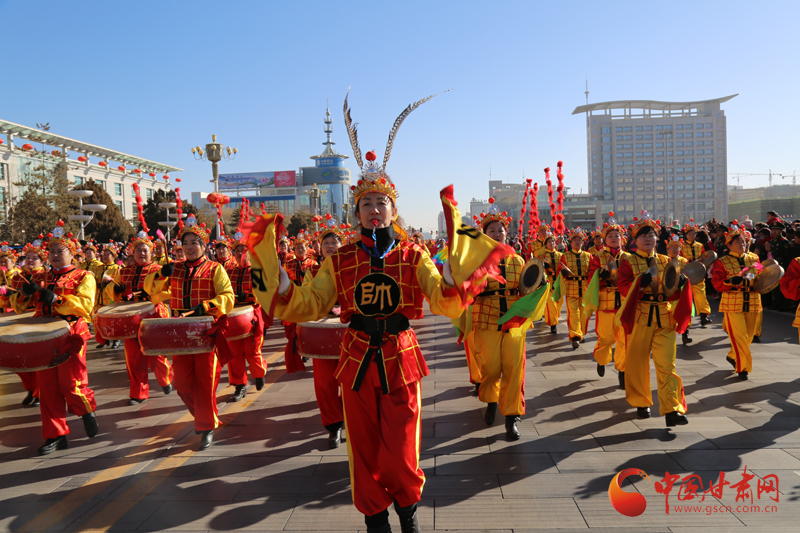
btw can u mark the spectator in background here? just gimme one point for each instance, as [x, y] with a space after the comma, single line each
[795, 244]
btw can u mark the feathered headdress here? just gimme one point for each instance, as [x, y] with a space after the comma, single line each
[612, 225]
[577, 232]
[373, 176]
[328, 225]
[57, 236]
[691, 226]
[141, 238]
[735, 230]
[493, 215]
[37, 247]
[646, 219]
[192, 226]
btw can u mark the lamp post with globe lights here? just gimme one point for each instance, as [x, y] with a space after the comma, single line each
[92, 208]
[215, 153]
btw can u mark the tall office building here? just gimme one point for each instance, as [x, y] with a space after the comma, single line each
[669, 158]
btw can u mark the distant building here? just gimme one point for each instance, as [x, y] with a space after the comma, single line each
[756, 202]
[115, 171]
[669, 158]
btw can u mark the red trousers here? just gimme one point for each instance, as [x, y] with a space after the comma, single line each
[383, 440]
[249, 350]
[138, 365]
[326, 388]
[196, 379]
[65, 387]
[29, 382]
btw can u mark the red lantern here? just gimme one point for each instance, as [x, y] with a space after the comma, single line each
[166, 176]
[212, 198]
[137, 170]
[152, 174]
[27, 146]
[1, 141]
[103, 164]
[225, 199]
[55, 152]
[81, 159]
[121, 168]
[178, 180]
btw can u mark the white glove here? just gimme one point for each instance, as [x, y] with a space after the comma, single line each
[447, 275]
[284, 283]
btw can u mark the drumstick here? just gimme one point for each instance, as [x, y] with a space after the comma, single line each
[183, 315]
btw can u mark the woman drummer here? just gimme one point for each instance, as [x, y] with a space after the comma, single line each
[196, 287]
[501, 354]
[103, 273]
[127, 285]
[246, 352]
[732, 276]
[651, 327]
[330, 238]
[552, 265]
[609, 252]
[380, 283]
[67, 292]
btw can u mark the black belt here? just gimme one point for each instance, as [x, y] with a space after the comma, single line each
[653, 298]
[498, 292]
[575, 278]
[375, 327]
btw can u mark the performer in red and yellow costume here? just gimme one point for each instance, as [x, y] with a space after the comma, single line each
[575, 271]
[11, 279]
[732, 276]
[552, 261]
[222, 250]
[650, 321]
[296, 264]
[674, 246]
[605, 262]
[247, 351]
[380, 282]
[326, 387]
[790, 286]
[67, 292]
[197, 287]
[597, 242]
[177, 250]
[500, 354]
[160, 256]
[691, 250]
[103, 272]
[128, 285]
[90, 258]
[538, 243]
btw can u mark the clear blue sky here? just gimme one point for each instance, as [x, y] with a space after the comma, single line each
[154, 78]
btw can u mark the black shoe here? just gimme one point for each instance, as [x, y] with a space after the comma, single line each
[335, 438]
[28, 399]
[601, 370]
[51, 445]
[409, 523]
[167, 388]
[259, 383]
[90, 425]
[114, 345]
[477, 389]
[675, 419]
[686, 339]
[101, 346]
[206, 440]
[553, 330]
[743, 375]
[305, 359]
[575, 343]
[643, 412]
[581, 340]
[512, 433]
[621, 379]
[136, 401]
[704, 319]
[35, 402]
[732, 362]
[378, 523]
[240, 393]
[756, 338]
[491, 411]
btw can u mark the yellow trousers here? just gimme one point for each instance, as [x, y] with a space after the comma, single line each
[759, 323]
[577, 318]
[607, 336]
[661, 342]
[699, 298]
[474, 365]
[552, 310]
[502, 358]
[740, 328]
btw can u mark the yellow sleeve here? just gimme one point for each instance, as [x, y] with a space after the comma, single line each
[310, 301]
[157, 287]
[109, 290]
[223, 302]
[443, 299]
[82, 302]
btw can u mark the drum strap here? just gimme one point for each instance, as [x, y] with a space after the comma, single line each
[580, 277]
[375, 327]
[503, 301]
[745, 294]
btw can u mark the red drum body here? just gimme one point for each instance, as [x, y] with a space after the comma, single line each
[176, 336]
[321, 339]
[241, 322]
[29, 344]
[120, 321]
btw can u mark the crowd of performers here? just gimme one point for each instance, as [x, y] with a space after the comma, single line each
[371, 280]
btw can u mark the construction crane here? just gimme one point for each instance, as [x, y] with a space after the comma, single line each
[737, 175]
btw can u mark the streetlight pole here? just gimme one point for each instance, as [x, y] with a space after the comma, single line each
[214, 152]
[92, 208]
[314, 194]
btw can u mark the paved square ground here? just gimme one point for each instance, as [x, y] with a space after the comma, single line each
[270, 468]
